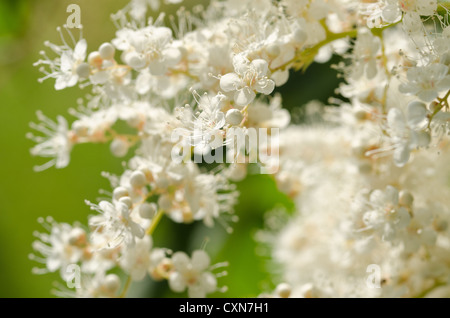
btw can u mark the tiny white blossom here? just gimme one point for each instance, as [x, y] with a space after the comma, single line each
[426, 82]
[115, 224]
[247, 78]
[192, 273]
[406, 132]
[385, 214]
[148, 47]
[69, 66]
[62, 246]
[135, 260]
[56, 142]
[364, 54]
[205, 126]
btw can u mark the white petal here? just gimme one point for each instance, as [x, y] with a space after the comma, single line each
[66, 62]
[53, 263]
[244, 96]
[391, 13]
[261, 66]
[177, 282]
[230, 82]
[401, 155]
[240, 63]
[391, 195]
[396, 120]
[412, 22]
[209, 282]
[136, 229]
[80, 50]
[427, 95]
[200, 260]
[265, 86]
[180, 261]
[71, 80]
[443, 84]
[106, 206]
[143, 82]
[280, 77]
[62, 160]
[196, 291]
[172, 56]
[60, 83]
[135, 60]
[421, 139]
[403, 218]
[99, 77]
[416, 113]
[377, 197]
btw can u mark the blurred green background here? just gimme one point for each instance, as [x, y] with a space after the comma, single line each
[26, 195]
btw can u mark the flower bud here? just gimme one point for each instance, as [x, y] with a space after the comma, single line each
[137, 179]
[233, 117]
[95, 60]
[127, 201]
[120, 192]
[77, 236]
[106, 51]
[283, 290]
[405, 198]
[119, 147]
[83, 70]
[112, 283]
[135, 61]
[147, 210]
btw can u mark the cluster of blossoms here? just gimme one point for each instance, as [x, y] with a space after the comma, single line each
[369, 178]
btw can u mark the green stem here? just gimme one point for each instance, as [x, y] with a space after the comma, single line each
[155, 222]
[305, 57]
[126, 287]
[443, 102]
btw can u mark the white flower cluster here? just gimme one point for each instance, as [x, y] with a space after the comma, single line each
[370, 182]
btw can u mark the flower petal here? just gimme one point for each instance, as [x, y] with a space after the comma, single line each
[200, 260]
[244, 96]
[230, 82]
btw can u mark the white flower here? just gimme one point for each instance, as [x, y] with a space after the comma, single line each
[57, 142]
[61, 247]
[205, 127]
[135, 260]
[271, 115]
[247, 78]
[148, 47]
[192, 274]
[426, 82]
[115, 224]
[392, 10]
[197, 196]
[385, 214]
[99, 285]
[422, 7]
[407, 132]
[69, 66]
[364, 54]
